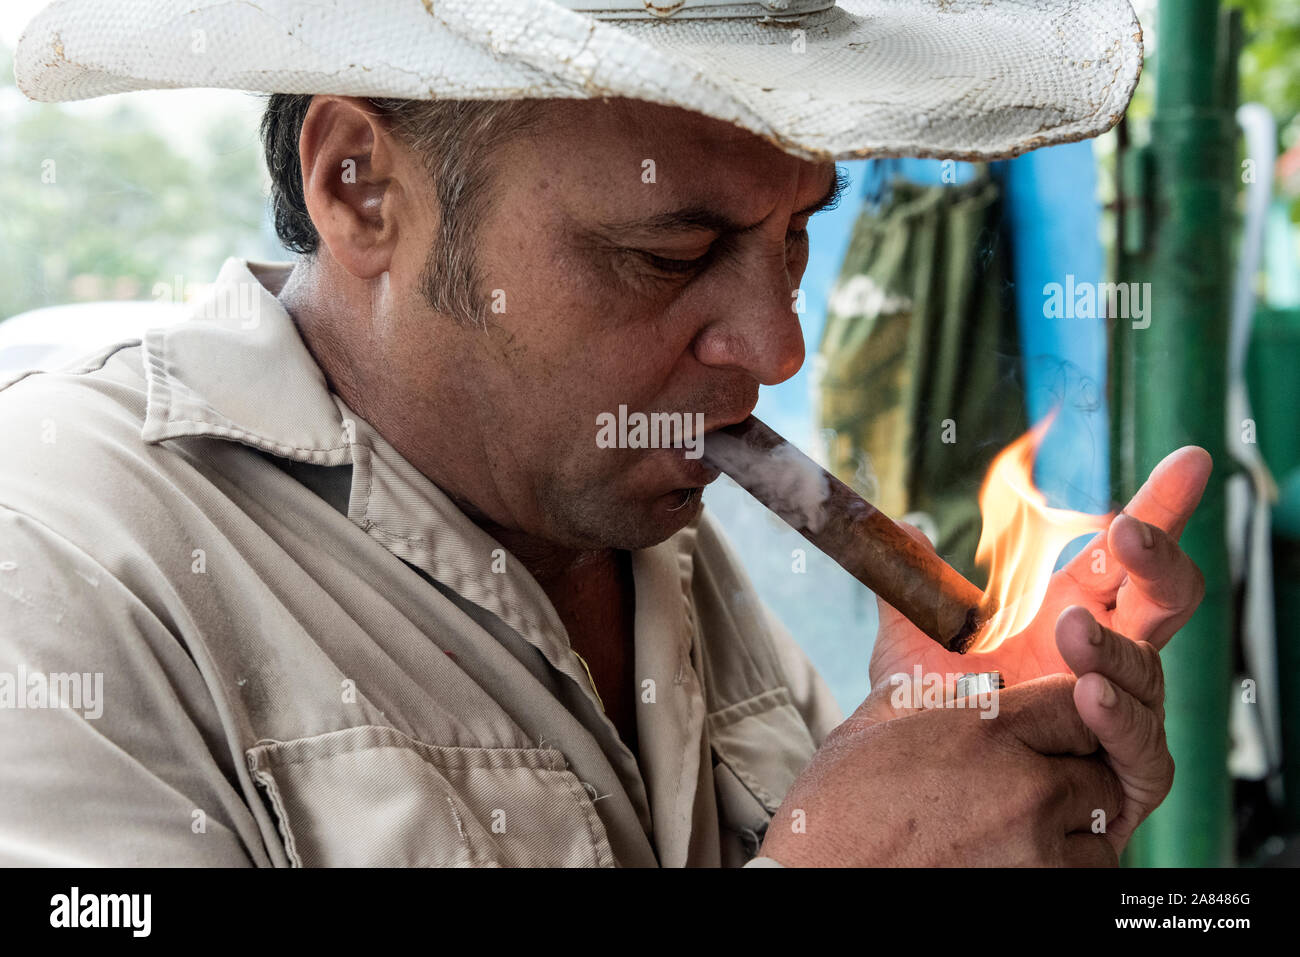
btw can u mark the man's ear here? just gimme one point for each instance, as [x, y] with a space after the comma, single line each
[351, 182]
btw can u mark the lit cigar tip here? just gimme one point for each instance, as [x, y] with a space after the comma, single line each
[970, 629]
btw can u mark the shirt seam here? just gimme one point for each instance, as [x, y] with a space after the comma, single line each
[100, 359]
[236, 431]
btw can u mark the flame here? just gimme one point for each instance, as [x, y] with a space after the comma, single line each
[1021, 539]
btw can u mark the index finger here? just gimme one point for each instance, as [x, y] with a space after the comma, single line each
[1166, 499]
[1173, 490]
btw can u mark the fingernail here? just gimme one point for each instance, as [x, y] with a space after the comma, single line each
[1148, 540]
[1107, 694]
[1094, 632]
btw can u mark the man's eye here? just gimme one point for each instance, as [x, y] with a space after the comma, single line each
[674, 266]
[681, 267]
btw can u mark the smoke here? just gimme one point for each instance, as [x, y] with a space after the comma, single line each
[784, 479]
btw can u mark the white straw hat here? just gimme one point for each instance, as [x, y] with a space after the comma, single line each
[973, 79]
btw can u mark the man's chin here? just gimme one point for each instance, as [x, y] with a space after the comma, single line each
[663, 517]
[643, 522]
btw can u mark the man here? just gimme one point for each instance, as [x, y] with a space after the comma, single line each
[361, 584]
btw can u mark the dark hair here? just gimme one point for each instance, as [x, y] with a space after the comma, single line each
[281, 127]
[455, 138]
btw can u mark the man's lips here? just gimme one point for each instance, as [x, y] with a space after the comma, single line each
[680, 470]
[693, 471]
[667, 470]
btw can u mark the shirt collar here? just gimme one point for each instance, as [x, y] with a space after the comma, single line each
[238, 369]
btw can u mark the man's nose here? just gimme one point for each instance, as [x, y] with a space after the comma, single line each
[755, 326]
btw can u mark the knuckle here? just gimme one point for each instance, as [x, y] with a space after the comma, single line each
[1043, 790]
[1149, 735]
[1153, 672]
[1165, 777]
[1198, 583]
[847, 732]
[838, 732]
[1125, 720]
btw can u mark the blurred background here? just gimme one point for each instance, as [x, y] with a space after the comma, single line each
[1144, 287]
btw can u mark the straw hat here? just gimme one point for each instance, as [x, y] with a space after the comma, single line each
[972, 79]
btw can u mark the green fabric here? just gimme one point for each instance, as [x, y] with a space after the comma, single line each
[920, 345]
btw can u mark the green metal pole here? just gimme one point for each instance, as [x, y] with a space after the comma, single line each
[1179, 377]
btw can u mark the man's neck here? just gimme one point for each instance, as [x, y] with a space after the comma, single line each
[594, 595]
[591, 589]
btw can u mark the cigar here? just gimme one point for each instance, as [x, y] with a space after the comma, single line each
[876, 551]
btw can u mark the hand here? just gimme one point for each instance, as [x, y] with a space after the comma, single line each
[946, 787]
[1120, 698]
[1146, 592]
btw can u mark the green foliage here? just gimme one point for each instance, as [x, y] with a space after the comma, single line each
[103, 205]
[1270, 62]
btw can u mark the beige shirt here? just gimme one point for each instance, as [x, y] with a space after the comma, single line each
[310, 656]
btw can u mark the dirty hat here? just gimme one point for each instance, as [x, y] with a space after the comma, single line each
[968, 79]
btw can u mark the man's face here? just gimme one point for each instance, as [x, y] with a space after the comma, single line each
[635, 255]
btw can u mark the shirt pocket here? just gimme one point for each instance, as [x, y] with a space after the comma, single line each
[760, 745]
[374, 797]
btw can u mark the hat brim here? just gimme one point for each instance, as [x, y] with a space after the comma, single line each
[967, 79]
